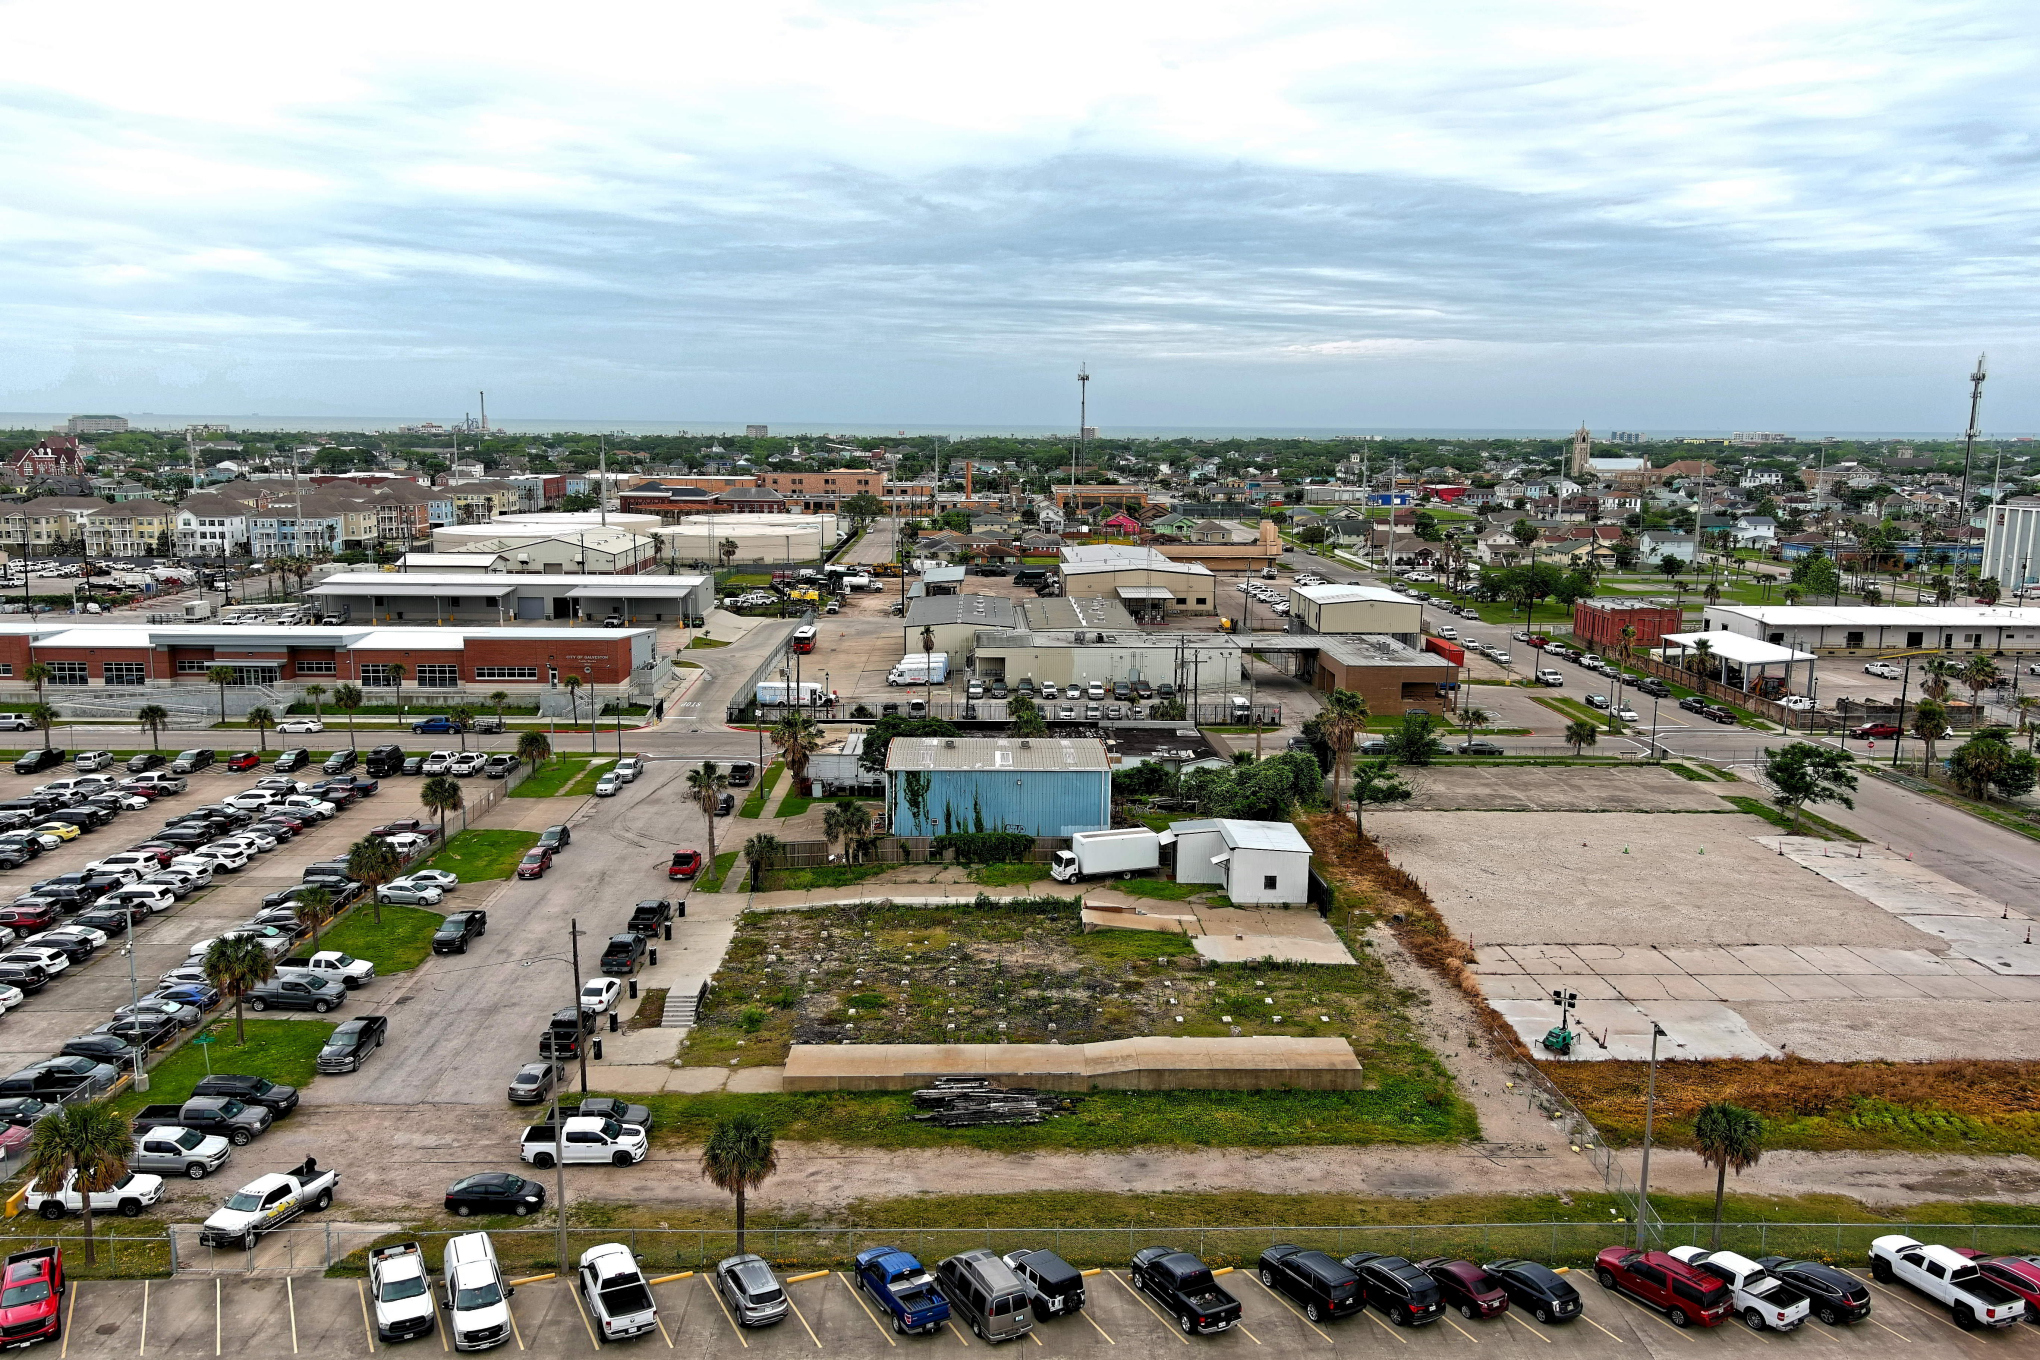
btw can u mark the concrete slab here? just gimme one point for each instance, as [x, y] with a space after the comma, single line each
[1947, 988]
[1741, 987]
[1285, 948]
[1815, 987]
[1771, 960]
[1590, 988]
[1634, 962]
[1884, 987]
[1520, 987]
[1605, 788]
[756, 1080]
[1620, 1030]
[695, 1080]
[1642, 987]
[2009, 988]
[1686, 987]
[1904, 962]
[1708, 961]
[1834, 960]
[634, 1079]
[2010, 960]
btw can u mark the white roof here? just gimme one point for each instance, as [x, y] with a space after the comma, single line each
[996, 753]
[1240, 835]
[1163, 565]
[452, 582]
[1788, 617]
[1744, 651]
[1145, 593]
[1342, 594]
[637, 588]
[483, 560]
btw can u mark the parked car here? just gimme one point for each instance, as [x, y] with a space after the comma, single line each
[1184, 1288]
[1321, 1285]
[1883, 670]
[194, 760]
[1874, 731]
[902, 1288]
[1465, 1286]
[686, 864]
[1536, 1289]
[499, 766]
[32, 1288]
[128, 1197]
[457, 930]
[296, 758]
[296, 992]
[144, 761]
[983, 1289]
[34, 762]
[600, 994]
[1478, 747]
[350, 1045]
[624, 954]
[1406, 1295]
[555, 838]
[1054, 1286]
[532, 1083]
[408, 895]
[1945, 1275]
[536, 861]
[750, 1290]
[494, 1192]
[584, 1140]
[1685, 1295]
[1765, 1302]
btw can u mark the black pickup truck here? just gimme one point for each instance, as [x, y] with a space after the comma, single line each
[1183, 1286]
[647, 917]
[624, 955]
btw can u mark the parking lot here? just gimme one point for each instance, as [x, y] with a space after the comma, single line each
[318, 1317]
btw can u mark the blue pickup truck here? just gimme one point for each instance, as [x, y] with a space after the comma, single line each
[903, 1287]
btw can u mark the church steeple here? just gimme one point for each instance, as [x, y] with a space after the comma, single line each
[1580, 467]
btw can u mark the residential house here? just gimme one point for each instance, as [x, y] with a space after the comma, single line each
[136, 528]
[48, 524]
[1755, 531]
[478, 502]
[211, 525]
[1653, 545]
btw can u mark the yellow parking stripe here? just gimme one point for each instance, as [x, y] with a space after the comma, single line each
[1527, 1327]
[1291, 1307]
[803, 1316]
[290, 1301]
[1885, 1289]
[889, 1340]
[70, 1311]
[1461, 1330]
[1392, 1331]
[1675, 1331]
[216, 1315]
[716, 1294]
[515, 1330]
[1241, 1326]
[1174, 1330]
[575, 1295]
[1598, 1327]
[143, 1349]
[1085, 1314]
[958, 1335]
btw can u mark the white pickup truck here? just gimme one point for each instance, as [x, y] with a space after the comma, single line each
[345, 969]
[1946, 1274]
[616, 1293]
[127, 1197]
[267, 1203]
[402, 1293]
[587, 1139]
[1764, 1300]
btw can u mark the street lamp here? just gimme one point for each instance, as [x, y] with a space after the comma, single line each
[1649, 1113]
[573, 964]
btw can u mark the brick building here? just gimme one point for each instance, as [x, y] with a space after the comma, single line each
[1599, 623]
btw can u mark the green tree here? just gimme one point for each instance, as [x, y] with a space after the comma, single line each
[1929, 724]
[706, 784]
[738, 1158]
[394, 672]
[534, 748]
[1524, 532]
[373, 861]
[1345, 719]
[879, 736]
[798, 736]
[1577, 584]
[221, 676]
[1580, 734]
[1026, 717]
[236, 965]
[498, 698]
[312, 907]
[1373, 782]
[847, 821]
[463, 717]
[1415, 741]
[863, 508]
[347, 698]
[1987, 764]
[441, 795]
[261, 719]
[37, 673]
[86, 1144]
[1805, 772]
[1978, 673]
[153, 717]
[572, 684]
[315, 693]
[1727, 1137]
[760, 852]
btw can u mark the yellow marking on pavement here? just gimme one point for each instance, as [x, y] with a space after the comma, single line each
[661, 1324]
[688, 1274]
[216, 1315]
[593, 1340]
[1085, 1314]
[290, 1301]
[1676, 1331]
[1094, 1270]
[716, 1294]
[1807, 1326]
[143, 1349]
[1461, 1330]
[515, 1330]
[1900, 1335]
[1291, 1307]
[1394, 1332]
[70, 1312]
[953, 1332]
[889, 1340]
[1598, 1327]
[1174, 1330]
[1250, 1336]
[1914, 1306]
[811, 1275]
[1222, 1270]
[803, 1316]
[1037, 1340]
[1511, 1314]
[538, 1279]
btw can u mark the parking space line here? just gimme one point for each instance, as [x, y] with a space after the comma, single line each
[1807, 1326]
[1511, 1314]
[1290, 1307]
[1915, 1307]
[1250, 1336]
[143, 1349]
[1900, 1335]
[803, 1316]
[716, 1294]
[1461, 1330]
[1085, 1314]
[866, 1311]
[953, 1332]
[1384, 1326]
[1173, 1330]
[216, 1315]
[70, 1312]
[1599, 1328]
[290, 1301]
[514, 1329]
[1675, 1331]
[575, 1295]
[360, 1293]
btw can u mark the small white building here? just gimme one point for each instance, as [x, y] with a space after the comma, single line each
[1258, 863]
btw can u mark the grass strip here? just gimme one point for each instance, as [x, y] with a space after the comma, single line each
[754, 805]
[822, 876]
[1160, 888]
[479, 855]
[706, 642]
[552, 779]
[286, 1051]
[1571, 708]
[585, 785]
[1012, 875]
[399, 944]
[712, 881]
[1687, 772]
[1808, 824]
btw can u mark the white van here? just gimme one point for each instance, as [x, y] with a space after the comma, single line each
[477, 1300]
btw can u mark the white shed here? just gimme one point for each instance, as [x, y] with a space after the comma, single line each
[1258, 863]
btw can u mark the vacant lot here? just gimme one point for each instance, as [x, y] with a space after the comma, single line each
[1562, 788]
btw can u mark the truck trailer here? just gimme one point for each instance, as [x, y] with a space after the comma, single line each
[1094, 854]
[923, 668]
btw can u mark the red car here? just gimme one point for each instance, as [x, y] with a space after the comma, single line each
[536, 861]
[1474, 1292]
[1872, 730]
[1685, 1294]
[686, 864]
[243, 760]
[2020, 1274]
[36, 916]
[31, 1297]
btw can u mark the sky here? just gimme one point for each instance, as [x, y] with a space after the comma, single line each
[1781, 216]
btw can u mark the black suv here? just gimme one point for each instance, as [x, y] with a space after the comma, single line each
[384, 761]
[1319, 1283]
[296, 758]
[1406, 1295]
[456, 930]
[742, 773]
[340, 762]
[554, 838]
[273, 1096]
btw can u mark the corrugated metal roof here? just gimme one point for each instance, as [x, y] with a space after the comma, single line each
[996, 753]
[1343, 594]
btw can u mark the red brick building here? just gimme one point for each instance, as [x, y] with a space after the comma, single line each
[1599, 623]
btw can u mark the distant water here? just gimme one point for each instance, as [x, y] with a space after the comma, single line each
[256, 423]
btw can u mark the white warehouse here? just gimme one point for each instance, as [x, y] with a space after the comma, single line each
[1258, 863]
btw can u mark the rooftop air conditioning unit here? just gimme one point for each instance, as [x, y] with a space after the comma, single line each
[950, 744]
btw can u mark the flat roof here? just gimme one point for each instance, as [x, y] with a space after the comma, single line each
[377, 582]
[1144, 593]
[1883, 616]
[1129, 636]
[996, 753]
[1052, 613]
[1161, 564]
[987, 611]
[638, 588]
[1245, 835]
[1332, 593]
[424, 585]
[1736, 647]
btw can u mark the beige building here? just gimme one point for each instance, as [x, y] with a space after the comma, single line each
[48, 524]
[1143, 580]
[135, 528]
[1354, 609]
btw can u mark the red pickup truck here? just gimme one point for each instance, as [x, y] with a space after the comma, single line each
[31, 1297]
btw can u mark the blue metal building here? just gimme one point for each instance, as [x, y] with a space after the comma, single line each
[1043, 786]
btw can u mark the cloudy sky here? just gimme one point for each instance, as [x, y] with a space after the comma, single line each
[1804, 215]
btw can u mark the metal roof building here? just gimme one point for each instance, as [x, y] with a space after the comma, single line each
[1041, 786]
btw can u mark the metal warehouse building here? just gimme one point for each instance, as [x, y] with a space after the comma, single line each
[424, 597]
[1263, 863]
[1043, 786]
[1355, 609]
[1869, 630]
[1140, 578]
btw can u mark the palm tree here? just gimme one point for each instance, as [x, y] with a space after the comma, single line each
[1347, 711]
[261, 719]
[1475, 718]
[1580, 734]
[394, 672]
[347, 698]
[236, 965]
[759, 852]
[316, 693]
[441, 795]
[798, 736]
[738, 1158]
[845, 821]
[1939, 671]
[706, 785]
[727, 550]
[372, 860]
[1712, 594]
[927, 653]
[88, 1145]
[44, 716]
[313, 906]
[499, 698]
[1979, 673]
[37, 673]
[2026, 703]
[1727, 1136]
[1929, 721]
[573, 688]
[534, 749]
[462, 715]
[1793, 594]
[1703, 652]
[154, 717]
[221, 676]
[1628, 636]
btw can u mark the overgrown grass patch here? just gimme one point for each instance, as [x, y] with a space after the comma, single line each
[286, 1051]
[1687, 772]
[822, 876]
[477, 855]
[705, 642]
[553, 778]
[712, 881]
[1160, 888]
[754, 803]
[400, 943]
[1808, 824]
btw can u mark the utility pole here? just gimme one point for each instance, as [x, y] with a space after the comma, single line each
[602, 474]
[1969, 438]
[574, 939]
[1649, 1115]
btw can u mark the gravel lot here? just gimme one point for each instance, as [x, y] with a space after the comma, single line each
[1559, 788]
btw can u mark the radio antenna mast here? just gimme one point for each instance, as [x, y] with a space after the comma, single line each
[1969, 438]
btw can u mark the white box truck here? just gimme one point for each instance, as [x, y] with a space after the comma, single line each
[1091, 854]
[920, 668]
